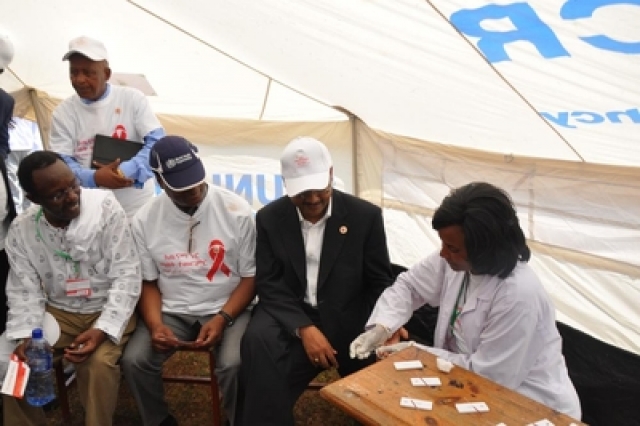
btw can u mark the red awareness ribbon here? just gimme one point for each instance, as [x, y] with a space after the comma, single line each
[216, 252]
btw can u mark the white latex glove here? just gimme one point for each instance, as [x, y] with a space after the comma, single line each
[384, 351]
[368, 341]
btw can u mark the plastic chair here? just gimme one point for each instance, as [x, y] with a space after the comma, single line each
[211, 381]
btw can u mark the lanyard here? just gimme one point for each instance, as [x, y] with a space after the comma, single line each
[66, 256]
[456, 310]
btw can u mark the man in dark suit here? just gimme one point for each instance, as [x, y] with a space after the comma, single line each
[321, 263]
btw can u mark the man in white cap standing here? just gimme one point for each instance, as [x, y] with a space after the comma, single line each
[101, 108]
[321, 264]
[197, 249]
[7, 208]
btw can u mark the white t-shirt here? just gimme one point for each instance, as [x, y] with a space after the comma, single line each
[222, 244]
[124, 113]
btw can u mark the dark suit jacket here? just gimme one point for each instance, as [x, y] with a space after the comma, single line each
[6, 114]
[354, 267]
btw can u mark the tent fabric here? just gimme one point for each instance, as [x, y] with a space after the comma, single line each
[539, 97]
[579, 220]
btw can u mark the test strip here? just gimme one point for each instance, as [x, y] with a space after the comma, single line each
[419, 404]
[408, 365]
[426, 381]
[472, 407]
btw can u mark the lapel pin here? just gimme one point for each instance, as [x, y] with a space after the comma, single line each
[343, 229]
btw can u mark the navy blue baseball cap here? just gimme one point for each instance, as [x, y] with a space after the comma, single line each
[176, 161]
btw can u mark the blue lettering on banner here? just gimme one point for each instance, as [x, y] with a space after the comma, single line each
[572, 119]
[244, 185]
[578, 9]
[530, 28]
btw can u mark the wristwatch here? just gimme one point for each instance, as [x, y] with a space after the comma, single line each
[226, 317]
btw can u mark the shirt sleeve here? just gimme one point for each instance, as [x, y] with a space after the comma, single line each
[124, 271]
[146, 124]
[420, 285]
[148, 265]
[25, 297]
[84, 175]
[137, 168]
[61, 141]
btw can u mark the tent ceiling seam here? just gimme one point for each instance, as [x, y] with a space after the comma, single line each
[16, 76]
[266, 98]
[209, 45]
[507, 82]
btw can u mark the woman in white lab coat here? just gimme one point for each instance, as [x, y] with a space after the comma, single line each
[495, 316]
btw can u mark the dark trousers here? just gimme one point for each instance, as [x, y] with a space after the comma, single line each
[275, 370]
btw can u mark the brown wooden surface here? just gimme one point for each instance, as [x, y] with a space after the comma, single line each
[372, 396]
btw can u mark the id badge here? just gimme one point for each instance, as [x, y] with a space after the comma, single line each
[78, 287]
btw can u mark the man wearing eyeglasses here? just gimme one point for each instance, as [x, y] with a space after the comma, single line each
[72, 254]
[321, 263]
[197, 249]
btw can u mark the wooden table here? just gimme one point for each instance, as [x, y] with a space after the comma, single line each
[372, 396]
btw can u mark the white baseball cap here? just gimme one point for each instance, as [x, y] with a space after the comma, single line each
[306, 165]
[87, 46]
[6, 51]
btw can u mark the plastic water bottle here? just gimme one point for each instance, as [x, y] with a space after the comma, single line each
[40, 387]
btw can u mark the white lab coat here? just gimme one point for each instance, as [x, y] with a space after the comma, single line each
[508, 325]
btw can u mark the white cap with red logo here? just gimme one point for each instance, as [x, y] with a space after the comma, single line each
[88, 47]
[306, 165]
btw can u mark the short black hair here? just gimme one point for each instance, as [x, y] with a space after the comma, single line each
[492, 235]
[35, 161]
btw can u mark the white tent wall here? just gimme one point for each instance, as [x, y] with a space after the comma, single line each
[581, 221]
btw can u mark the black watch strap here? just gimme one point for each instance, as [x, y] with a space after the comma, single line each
[226, 317]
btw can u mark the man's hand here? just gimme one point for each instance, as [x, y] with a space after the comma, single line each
[163, 339]
[84, 345]
[368, 341]
[211, 332]
[20, 350]
[319, 350]
[110, 176]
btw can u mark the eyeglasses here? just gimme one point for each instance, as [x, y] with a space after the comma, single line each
[314, 192]
[191, 240]
[64, 193]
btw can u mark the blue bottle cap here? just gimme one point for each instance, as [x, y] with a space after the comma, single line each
[36, 333]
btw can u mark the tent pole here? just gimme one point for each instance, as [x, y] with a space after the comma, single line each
[354, 154]
[41, 117]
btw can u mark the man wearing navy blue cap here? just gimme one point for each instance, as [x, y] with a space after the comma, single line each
[197, 250]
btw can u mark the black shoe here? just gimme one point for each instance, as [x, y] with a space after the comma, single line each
[169, 421]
